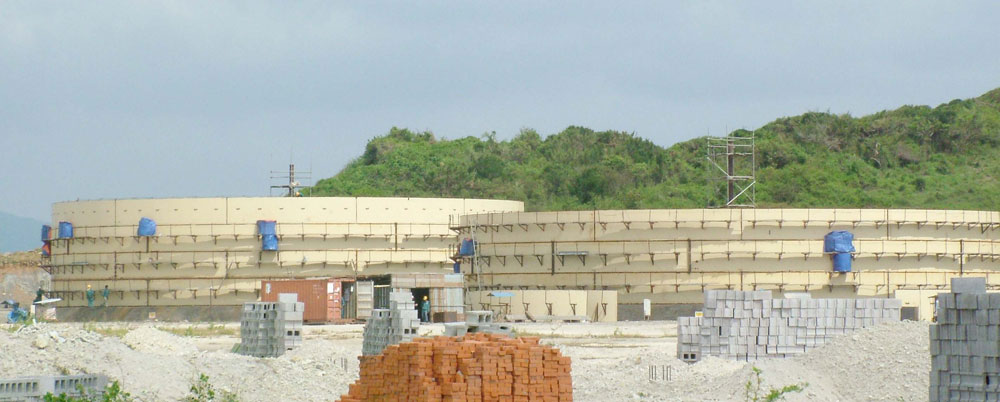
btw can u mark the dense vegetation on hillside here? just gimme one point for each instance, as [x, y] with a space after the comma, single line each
[914, 156]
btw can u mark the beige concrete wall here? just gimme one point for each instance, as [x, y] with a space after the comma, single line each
[672, 256]
[596, 305]
[247, 210]
[207, 250]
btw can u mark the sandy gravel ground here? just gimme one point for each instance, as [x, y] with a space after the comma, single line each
[611, 362]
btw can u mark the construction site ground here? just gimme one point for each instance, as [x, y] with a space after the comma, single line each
[611, 361]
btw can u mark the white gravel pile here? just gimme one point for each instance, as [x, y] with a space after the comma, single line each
[157, 366]
[151, 340]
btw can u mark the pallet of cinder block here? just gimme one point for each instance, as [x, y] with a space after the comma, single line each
[748, 325]
[688, 332]
[965, 343]
[35, 388]
[390, 326]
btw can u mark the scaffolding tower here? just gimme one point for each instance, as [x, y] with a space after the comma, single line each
[732, 170]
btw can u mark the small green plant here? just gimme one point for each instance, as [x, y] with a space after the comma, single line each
[106, 331]
[112, 393]
[204, 391]
[755, 389]
[191, 330]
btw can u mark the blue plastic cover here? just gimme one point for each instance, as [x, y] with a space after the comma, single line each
[839, 241]
[65, 230]
[467, 248]
[147, 227]
[267, 227]
[842, 262]
[458, 268]
[46, 232]
[268, 235]
[502, 294]
[269, 242]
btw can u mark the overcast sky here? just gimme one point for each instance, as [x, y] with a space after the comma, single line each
[158, 99]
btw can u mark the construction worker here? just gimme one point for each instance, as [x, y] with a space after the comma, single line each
[105, 294]
[90, 296]
[39, 295]
[425, 310]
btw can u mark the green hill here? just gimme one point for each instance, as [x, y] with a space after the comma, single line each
[914, 156]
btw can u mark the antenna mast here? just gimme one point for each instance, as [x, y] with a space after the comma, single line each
[293, 185]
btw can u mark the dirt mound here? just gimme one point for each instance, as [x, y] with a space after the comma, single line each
[473, 367]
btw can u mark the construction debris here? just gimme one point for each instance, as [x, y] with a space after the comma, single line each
[749, 325]
[475, 367]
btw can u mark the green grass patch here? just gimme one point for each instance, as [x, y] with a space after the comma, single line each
[108, 330]
[201, 331]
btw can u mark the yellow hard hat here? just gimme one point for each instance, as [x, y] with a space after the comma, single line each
[425, 297]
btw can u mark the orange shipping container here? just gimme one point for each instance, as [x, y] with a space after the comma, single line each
[321, 296]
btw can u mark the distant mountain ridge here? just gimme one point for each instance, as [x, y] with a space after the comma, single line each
[19, 233]
[945, 157]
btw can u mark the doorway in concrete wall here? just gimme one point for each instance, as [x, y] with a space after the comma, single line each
[418, 298]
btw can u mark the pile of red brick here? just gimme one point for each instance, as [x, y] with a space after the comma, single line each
[474, 367]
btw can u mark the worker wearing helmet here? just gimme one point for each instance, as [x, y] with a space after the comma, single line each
[425, 310]
[90, 296]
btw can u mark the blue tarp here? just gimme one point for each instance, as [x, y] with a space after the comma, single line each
[838, 242]
[841, 244]
[147, 227]
[267, 227]
[65, 230]
[268, 235]
[46, 232]
[467, 248]
[842, 262]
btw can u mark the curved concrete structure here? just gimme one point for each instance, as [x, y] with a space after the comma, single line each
[672, 256]
[207, 250]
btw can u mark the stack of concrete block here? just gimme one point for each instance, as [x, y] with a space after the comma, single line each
[289, 321]
[391, 326]
[477, 321]
[269, 329]
[35, 388]
[965, 344]
[688, 338]
[749, 325]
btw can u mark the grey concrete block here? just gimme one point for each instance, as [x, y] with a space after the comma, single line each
[965, 301]
[968, 285]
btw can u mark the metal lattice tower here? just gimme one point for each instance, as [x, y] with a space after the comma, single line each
[732, 170]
